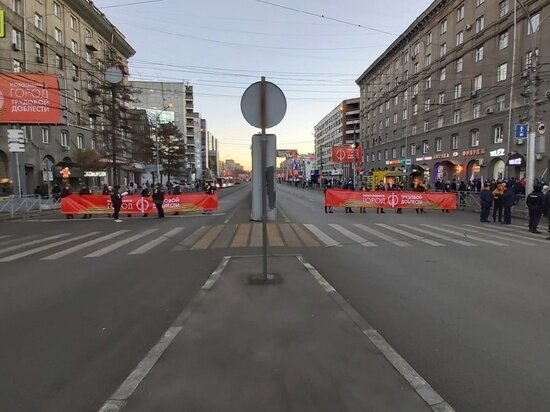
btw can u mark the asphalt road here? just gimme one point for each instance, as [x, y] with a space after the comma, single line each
[466, 305]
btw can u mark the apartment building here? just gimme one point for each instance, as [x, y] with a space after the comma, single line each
[68, 38]
[442, 101]
[340, 127]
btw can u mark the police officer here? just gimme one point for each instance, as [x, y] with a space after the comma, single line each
[486, 200]
[116, 200]
[535, 203]
[158, 199]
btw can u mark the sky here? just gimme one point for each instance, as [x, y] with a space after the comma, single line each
[313, 50]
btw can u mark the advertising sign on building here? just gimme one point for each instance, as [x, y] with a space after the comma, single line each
[16, 140]
[27, 98]
[345, 154]
[287, 153]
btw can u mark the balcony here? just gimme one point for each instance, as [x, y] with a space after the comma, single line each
[90, 45]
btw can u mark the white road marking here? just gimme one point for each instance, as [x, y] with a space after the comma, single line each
[4, 236]
[509, 234]
[461, 234]
[191, 239]
[45, 247]
[382, 236]
[352, 236]
[509, 238]
[84, 245]
[31, 243]
[411, 235]
[327, 240]
[438, 236]
[15, 240]
[155, 242]
[120, 243]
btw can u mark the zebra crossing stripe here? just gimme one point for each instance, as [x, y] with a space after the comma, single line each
[190, 240]
[32, 243]
[459, 234]
[12, 240]
[4, 236]
[382, 236]
[497, 235]
[155, 242]
[289, 236]
[508, 234]
[208, 238]
[241, 237]
[304, 236]
[84, 245]
[256, 235]
[438, 236]
[46, 247]
[411, 235]
[225, 237]
[273, 236]
[119, 244]
[327, 240]
[356, 238]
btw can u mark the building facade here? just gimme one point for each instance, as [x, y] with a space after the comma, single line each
[443, 100]
[341, 127]
[68, 38]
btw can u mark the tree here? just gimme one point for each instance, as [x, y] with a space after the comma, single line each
[171, 149]
[89, 159]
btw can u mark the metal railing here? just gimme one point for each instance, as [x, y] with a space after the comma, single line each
[13, 205]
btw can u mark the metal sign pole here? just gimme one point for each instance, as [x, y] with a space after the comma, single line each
[18, 174]
[264, 175]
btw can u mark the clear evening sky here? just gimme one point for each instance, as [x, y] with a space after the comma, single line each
[222, 46]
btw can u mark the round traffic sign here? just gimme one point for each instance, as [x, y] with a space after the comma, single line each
[275, 105]
[113, 75]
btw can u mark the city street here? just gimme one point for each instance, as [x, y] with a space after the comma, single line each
[83, 301]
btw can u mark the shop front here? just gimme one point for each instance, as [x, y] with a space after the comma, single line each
[516, 166]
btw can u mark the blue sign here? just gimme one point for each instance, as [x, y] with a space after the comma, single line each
[521, 131]
[408, 162]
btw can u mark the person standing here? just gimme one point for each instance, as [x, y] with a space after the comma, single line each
[158, 199]
[349, 186]
[535, 203]
[363, 189]
[67, 190]
[380, 187]
[145, 193]
[56, 193]
[85, 191]
[486, 201]
[328, 185]
[547, 207]
[497, 206]
[419, 187]
[116, 200]
[462, 189]
[507, 199]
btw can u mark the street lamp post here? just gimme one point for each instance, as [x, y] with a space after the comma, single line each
[157, 136]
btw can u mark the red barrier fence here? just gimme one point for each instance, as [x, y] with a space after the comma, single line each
[390, 200]
[101, 204]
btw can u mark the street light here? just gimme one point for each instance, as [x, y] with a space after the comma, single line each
[157, 135]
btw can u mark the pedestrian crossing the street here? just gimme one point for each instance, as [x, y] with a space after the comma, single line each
[135, 242]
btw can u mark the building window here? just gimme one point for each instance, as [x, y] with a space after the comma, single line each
[58, 62]
[479, 2]
[428, 83]
[413, 149]
[443, 49]
[428, 60]
[480, 24]
[39, 50]
[393, 153]
[456, 117]
[88, 33]
[379, 155]
[503, 40]
[388, 105]
[477, 110]
[93, 143]
[17, 7]
[395, 101]
[57, 9]
[405, 96]
[427, 103]
[415, 109]
[74, 46]
[91, 122]
[441, 98]
[80, 141]
[503, 8]
[478, 82]
[16, 39]
[416, 49]
[17, 66]
[438, 144]
[75, 70]
[439, 121]
[387, 122]
[38, 21]
[478, 54]
[45, 132]
[426, 126]
[459, 38]
[58, 35]
[405, 113]
[501, 72]
[454, 142]
[380, 125]
[74, 23]
[460, 13]
[403, 154]
[425, 146]
[529, 59]
[474, 138]
[501, 103]
[406, 74]
[415, 68]
[76, 96]
[429, 39]
[443, 27]
[535, 21]
[459, 64]
[64, 138]
[458, 90]
[395, 118]
[406, 57]
[413, 129]
[443, 74]
[498, 134]
[415, 89]
[380, 108]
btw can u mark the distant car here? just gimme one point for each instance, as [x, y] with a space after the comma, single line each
[186, 186]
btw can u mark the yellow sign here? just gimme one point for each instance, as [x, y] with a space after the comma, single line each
[2, 25]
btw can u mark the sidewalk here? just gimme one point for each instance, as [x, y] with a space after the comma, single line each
[295, 345]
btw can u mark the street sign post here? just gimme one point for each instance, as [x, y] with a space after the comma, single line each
[522, 130]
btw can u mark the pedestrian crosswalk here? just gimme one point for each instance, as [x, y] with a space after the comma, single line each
[134, 242]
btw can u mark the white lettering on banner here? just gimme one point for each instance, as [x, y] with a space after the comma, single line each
[515, 161]
[497, 152]
[95, 174]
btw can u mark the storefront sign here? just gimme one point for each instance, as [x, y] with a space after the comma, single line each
[497, 152]
[94, 174]
[455, 154]
[395, 162]
[516, 160]
[421, 159]
[405, 200]
[473, 152]
[441, 155]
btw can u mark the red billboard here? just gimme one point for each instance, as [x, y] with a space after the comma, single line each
[29, 98]
[344, 154]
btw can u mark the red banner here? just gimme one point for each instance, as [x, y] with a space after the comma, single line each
[30, 98]
[344, 154]
[101, 204]
[390, 200]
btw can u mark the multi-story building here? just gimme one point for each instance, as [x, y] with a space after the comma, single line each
[68, 38]
[213, 154]
[175, 99]
[442, 101]
[340, 127]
